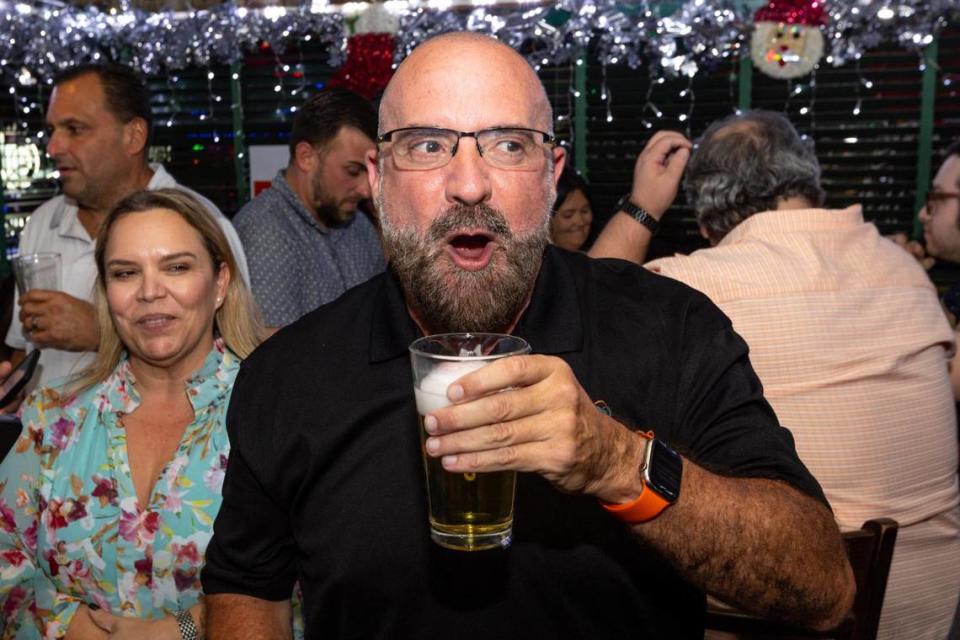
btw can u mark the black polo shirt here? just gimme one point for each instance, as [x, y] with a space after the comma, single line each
[325, 483]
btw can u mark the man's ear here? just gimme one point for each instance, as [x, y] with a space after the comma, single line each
[305, 156]
[135, 136]
[373, 170]
[559, 161]
[706, 235]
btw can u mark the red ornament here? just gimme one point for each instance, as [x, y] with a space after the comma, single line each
[803, 12]
[369, 64]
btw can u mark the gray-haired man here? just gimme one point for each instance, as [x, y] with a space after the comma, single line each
[845, 332]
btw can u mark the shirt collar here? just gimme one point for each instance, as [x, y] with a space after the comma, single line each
[551, 323]
[202, 387]
[793, 220]
[68, 211]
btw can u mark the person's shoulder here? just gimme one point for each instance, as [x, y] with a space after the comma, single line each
[50, 207]
[895, 258]
[52, 411]
[164, 180]
[39, 221]
[650, 298]
[202, 199]
[309, 336]
[630, 279]
[260, 214]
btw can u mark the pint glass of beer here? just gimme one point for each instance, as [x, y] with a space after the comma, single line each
[468, 511]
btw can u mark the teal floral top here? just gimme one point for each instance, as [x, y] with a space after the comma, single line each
[71, 529]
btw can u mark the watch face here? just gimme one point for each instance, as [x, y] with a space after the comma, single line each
[664, 470]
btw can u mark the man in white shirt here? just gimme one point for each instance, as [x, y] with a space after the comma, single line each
[99, 125]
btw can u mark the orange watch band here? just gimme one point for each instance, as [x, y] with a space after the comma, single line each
[644, 507]
[648, 505]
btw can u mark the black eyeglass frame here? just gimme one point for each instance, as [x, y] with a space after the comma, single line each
[938, 196]
[549, 140]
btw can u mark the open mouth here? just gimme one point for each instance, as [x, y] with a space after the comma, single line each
[471, 251]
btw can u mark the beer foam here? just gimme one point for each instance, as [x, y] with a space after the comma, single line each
[432, 392]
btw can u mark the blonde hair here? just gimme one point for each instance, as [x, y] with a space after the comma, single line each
[238, 318]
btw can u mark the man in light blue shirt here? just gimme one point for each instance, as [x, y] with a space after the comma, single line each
[304, 239]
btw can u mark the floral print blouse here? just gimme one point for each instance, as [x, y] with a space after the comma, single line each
[71, 529]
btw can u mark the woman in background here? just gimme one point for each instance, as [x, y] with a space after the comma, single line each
[108, 499]
[572, 212]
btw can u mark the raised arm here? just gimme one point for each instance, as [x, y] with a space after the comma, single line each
[656, 178]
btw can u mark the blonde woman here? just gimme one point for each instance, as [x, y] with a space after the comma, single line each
[107, 501]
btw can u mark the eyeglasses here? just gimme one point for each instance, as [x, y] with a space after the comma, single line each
[935, 197]
[509, 148]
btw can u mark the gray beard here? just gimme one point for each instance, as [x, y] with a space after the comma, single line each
[449, 299]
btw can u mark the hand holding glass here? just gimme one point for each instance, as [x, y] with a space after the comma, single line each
[37, 271]
[468, 511]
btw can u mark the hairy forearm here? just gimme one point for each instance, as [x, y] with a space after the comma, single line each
[758, 544]
[624, 238]
[237, 616]
[197, 612]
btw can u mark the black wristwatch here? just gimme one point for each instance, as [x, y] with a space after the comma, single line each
[188, 630]
[639, 214]
[661, 472]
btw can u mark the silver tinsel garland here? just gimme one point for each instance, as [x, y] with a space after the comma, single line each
[697, 35]
[43, 39]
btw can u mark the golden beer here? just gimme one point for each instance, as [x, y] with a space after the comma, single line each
[468, 511]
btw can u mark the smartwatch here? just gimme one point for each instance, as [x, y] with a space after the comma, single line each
[661, 472]
[639, 214]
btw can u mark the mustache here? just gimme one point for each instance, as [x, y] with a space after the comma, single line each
[480, 216]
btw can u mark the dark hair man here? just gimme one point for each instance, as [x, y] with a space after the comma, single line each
[325, 480]
[98, 124]
[304, 240]
[848, 339]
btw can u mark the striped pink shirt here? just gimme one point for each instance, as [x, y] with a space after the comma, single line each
[849, 340]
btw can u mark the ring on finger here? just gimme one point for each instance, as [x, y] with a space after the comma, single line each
[33, 323]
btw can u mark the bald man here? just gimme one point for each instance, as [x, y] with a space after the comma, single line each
[325, 482]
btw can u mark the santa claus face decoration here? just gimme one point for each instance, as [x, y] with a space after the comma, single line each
[787, 42]
[786, 50]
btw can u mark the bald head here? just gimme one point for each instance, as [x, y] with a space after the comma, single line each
[452, 69]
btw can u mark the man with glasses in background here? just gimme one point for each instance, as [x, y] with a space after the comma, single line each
[325, 482]
[941, 214]
[941, 234]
